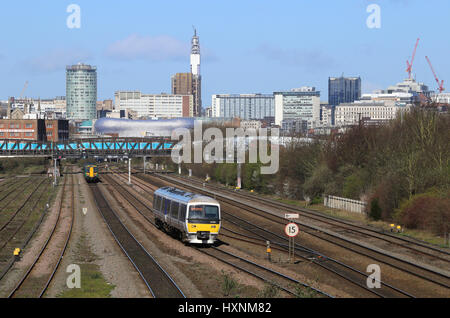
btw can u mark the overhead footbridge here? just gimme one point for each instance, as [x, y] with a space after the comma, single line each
[88, 148]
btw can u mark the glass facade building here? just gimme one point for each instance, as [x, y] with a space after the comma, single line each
[244, 106]
[81, 92]
[343, 90]
[298, 105]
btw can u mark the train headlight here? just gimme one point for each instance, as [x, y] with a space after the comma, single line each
[213, 226]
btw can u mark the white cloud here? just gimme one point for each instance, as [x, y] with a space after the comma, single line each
[158, 48]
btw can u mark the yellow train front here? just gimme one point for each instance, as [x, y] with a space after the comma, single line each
[91, 173]
[195, 218]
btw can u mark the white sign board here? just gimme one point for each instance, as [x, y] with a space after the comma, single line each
[291, 216]
[84, 211]
[291, 229]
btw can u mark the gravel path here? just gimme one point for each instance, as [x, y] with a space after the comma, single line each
[113, 264]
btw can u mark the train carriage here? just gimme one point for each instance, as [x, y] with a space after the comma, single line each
[91, 173]
[195, 218]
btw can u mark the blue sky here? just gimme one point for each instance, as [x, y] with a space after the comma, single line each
[248, 46]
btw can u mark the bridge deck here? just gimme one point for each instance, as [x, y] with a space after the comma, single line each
[133, 147]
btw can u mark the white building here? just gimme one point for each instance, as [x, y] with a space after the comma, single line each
[351, 113]
[301, 104]
[409, 85]
[155, 105]
[244, 106]
[326, 115]
[442, 98]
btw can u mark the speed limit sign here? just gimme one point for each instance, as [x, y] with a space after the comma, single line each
[291, 229]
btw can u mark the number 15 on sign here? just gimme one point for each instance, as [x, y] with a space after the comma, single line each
[291, 229]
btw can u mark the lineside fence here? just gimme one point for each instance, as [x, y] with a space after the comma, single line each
[345, 204]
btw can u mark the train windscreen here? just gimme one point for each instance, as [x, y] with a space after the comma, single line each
[204, 212]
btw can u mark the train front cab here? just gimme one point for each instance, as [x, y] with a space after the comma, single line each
[91, 173]
[202, 223]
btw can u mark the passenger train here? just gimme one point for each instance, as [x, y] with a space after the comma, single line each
[195, 218]
[91, 173]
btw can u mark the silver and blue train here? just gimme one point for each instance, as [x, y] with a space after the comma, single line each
[194, 218]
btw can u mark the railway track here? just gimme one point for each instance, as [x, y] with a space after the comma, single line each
[341, 226]
[349, 274]
[7, 189]
[27, 284]
[26, 200]
[417, 271]
[12, 226]
[157, 280]
[262, 272]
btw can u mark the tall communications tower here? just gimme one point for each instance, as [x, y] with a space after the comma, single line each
[195, 54]
[196, 77]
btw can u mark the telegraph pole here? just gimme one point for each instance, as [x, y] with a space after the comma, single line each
[129, 170]
[144, 164]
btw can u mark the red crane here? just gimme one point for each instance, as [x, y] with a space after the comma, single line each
[441, 83]
[409, 65]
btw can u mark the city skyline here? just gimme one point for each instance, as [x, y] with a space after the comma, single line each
[247, 56]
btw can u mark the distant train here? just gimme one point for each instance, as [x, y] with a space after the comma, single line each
[91, 173]
[195, 218]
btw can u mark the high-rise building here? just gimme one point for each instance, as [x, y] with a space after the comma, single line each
[244, 106]
[191, 83]
[343, 90]
[300, 105]
[182, 84]
[81, 92]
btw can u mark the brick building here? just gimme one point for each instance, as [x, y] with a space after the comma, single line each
[34, 129]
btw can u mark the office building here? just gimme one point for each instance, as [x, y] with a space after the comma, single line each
[347, 114]
[188, 84]
[81, 92]
[34, 129]
[154, 105]
[343, 90]
[244, 106]
[191, 83]
[297, 105]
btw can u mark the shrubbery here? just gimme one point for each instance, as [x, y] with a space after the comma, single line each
[22, 165]
[384, 165]
[429, 211]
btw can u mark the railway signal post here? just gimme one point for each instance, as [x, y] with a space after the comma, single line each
[269, 251]
[291, 230]
[129, 170]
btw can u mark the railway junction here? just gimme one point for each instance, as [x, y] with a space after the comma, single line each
[100, 239]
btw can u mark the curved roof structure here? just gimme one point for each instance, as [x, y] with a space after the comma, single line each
[141, 128]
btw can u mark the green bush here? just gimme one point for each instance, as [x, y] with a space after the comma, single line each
[375, 210]
[430, 211]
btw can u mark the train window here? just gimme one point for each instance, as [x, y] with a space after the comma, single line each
[209, 212]
[174, 209]
[166, 206]
[157, 205]
[182, 214]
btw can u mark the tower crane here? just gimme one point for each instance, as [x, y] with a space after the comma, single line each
[23, 89]
[441, 83]
[408, 64]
